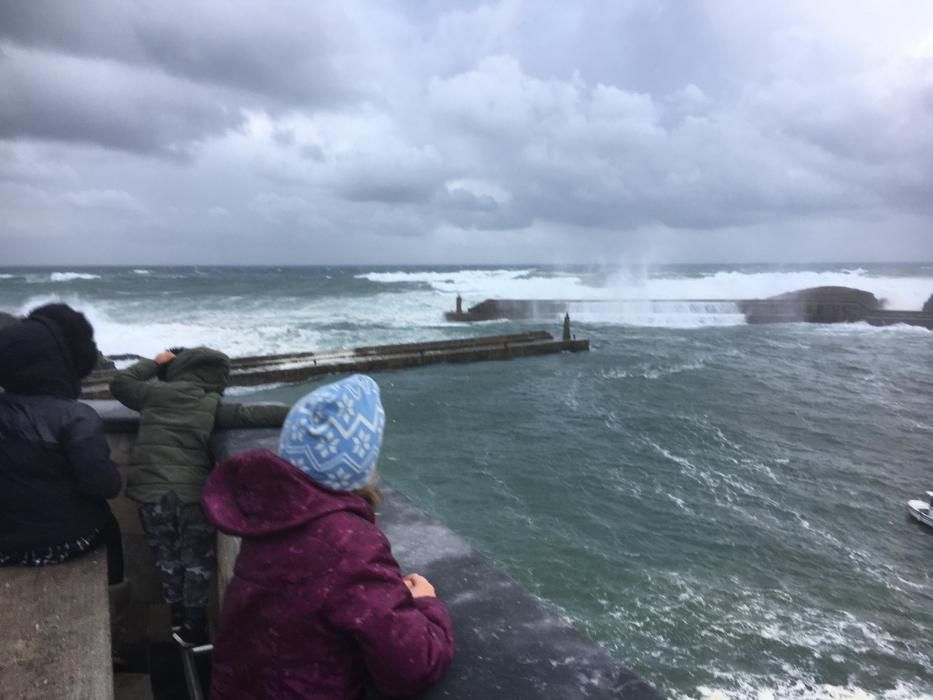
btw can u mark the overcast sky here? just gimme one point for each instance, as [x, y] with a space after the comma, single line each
[210, 131]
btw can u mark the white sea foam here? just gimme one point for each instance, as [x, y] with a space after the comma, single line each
[245, 390]
[248, 327]
[648, 371]
[142, 272]
[863, 328]
[663, 314]
[477, 285]
[147, 328]
[756, 688]
[70, 276]
[42, 299]
[682, 461]
[814, 631]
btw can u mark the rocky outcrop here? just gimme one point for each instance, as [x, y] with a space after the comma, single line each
[6, 319]
[928, 307]
[833, 295]
[814, 305]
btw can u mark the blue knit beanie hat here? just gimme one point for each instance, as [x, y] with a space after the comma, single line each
[334, 433]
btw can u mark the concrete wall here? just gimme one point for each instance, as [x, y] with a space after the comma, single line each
[148, 618]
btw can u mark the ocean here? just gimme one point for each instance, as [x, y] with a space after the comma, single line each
[720, 506]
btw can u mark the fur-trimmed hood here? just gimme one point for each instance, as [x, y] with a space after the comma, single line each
[47, 354]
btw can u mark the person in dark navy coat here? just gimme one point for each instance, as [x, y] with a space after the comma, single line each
[56, 473]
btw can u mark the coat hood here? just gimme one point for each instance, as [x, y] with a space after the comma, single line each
[35, 359]
[205, 367]
[258, 493]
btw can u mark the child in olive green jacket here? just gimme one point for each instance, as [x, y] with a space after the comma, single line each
[171, 460]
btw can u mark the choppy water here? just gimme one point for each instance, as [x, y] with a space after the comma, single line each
[720, 505]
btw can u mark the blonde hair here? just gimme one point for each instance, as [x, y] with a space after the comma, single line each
[371, 492]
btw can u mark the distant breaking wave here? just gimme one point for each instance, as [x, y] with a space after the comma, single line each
[477, 285]
[442, 277]
[899, 292]
[70, 276]
[908, 293]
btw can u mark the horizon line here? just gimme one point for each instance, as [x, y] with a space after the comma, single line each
[464, 264]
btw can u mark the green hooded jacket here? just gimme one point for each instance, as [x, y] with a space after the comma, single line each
[177, 417]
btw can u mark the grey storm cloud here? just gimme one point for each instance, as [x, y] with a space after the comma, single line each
[417, 129]
[289, 50]
[44, 96]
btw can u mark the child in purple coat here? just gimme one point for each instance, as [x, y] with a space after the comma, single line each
[317, 602]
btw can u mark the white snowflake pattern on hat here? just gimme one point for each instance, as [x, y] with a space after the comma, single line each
[334, 433]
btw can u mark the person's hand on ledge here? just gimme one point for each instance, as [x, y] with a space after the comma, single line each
[164, 357]
[419, 586]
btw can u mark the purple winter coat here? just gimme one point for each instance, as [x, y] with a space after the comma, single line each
[317, 602]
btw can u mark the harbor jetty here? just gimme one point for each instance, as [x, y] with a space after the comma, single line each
[813, 305]
[298, 367]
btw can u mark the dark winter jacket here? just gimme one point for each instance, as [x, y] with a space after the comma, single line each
[177, 417]
[317, 602]
[55, 466]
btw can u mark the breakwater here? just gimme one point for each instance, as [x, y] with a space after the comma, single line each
[814, 305]
[258, 370]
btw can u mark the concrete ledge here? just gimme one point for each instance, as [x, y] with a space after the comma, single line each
[55, 631]
[117, 417]
[509, 643]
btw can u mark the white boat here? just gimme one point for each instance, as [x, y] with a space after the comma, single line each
[922, 510]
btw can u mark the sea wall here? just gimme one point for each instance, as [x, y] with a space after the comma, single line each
[302, 366]
[509, 643]
[147, 617]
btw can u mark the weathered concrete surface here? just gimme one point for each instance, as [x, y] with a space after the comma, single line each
[509, 644]
[55, 631]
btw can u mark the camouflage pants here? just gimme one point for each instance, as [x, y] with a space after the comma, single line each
[183, 543]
